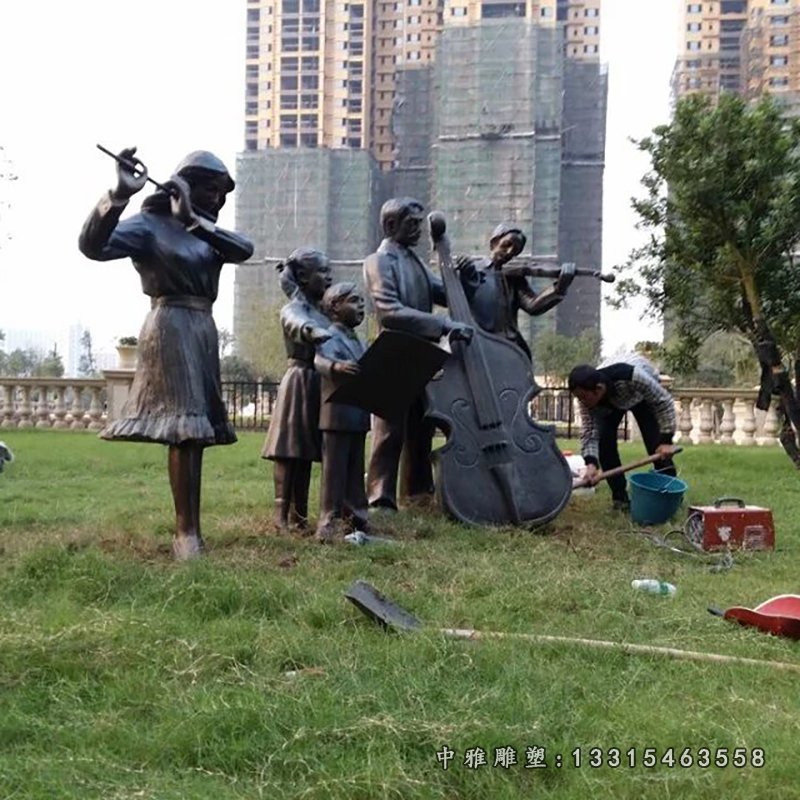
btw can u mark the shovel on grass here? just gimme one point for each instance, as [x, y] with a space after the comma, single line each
[389, 615]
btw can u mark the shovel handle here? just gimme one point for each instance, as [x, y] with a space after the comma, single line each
[642, 462]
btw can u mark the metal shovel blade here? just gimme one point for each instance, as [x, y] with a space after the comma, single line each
[367, 599]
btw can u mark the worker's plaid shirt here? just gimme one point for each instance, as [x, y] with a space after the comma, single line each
[629, 383]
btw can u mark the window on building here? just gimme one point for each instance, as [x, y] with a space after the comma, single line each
[693, 83]
[591, 30]
[288, 102]
[288, 140]
[779, 21]
[309, 82]
[308, 140]
[288, 83]
[498, 10]
[591, 12]
[413, 20]
[357, 11]
[288, 122]
[253, 14]
[693, 63]
[545, 11]
[413, 55]
[308, 120]
[778, 61]
[458, 12]
[251, 108]
[694, 8]
[780, 2]
[693, 26]
[779, 40]
[311, 6]
[692, 45]
[290, 6]
[590, 48]
[289, 64]
[310, 43]
[309, 63]
[354, 141]
[252, 51]
[779, 80]
[733, 7]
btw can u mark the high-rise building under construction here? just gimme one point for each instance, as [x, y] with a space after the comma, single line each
[491, 111]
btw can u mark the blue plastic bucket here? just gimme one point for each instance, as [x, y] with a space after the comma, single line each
[655, 497]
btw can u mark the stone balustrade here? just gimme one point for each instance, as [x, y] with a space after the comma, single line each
[724, 416]
[59, 403]
[704, 416]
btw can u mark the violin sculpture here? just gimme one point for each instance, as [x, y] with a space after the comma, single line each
[498, 466]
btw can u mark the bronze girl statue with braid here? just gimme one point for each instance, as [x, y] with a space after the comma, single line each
[294, 441]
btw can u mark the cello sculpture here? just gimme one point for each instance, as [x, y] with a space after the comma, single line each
[498, 465]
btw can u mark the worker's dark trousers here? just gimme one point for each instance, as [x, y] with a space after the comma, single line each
[609, 451]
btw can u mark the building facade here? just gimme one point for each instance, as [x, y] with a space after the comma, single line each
[744, 46]
[492, 111]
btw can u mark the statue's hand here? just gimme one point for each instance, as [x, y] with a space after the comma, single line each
[346, 367]
[131, 177]
[564, 279]
[180, 201]
[460, 331]
[462, 263]
[319, 335]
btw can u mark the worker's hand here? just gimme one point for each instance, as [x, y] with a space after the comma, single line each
[590, 475]
[131, 176]
[665, 451]
[346, 367]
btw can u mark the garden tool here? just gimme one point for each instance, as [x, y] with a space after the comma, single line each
[391, 616]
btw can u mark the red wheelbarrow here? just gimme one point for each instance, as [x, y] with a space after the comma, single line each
[779, 615]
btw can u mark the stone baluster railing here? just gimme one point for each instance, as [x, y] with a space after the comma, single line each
[75, 403]
[723, 416]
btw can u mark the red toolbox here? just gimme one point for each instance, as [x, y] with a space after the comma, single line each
[730, 523]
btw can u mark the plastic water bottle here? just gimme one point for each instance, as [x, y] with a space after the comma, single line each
[653, 586]
[359, 538]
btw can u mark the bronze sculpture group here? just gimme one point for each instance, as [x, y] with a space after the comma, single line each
[479, 399]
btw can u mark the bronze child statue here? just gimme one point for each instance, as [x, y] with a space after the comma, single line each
[293, 441]
[344, 428]
[178, 251]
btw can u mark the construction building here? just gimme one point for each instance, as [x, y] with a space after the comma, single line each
[749, 47]
[491, 111]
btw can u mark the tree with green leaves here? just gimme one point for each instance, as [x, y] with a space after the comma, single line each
[722, 214]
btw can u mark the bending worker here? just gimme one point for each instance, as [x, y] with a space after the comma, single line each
[605, 394]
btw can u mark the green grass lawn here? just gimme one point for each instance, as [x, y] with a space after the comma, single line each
[123, 674]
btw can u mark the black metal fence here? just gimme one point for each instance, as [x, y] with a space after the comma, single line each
[249, 403]
[250, 407]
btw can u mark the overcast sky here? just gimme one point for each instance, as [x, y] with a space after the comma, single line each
[168, 76]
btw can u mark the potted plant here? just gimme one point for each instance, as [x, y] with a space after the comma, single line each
[127, 347]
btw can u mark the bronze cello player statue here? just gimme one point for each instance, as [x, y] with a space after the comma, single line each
[498, 466]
